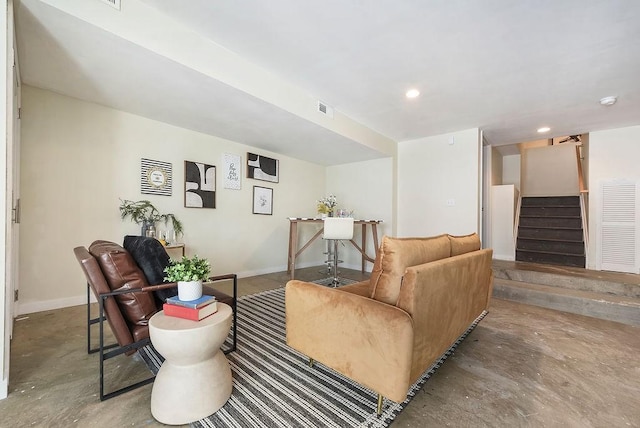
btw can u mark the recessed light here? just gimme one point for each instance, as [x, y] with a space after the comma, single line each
[608, 101]
[412, 93]
[544, 129]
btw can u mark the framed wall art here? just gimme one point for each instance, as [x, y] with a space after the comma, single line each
[232, 168]
[199, 185]
[155, 177]
[263, 168]
[262, 200]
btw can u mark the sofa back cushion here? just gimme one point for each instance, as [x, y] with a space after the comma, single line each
[122, 273]
[395, 255]
[464, 244]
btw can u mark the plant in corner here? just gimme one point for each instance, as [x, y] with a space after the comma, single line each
[189, 274]
[146, 215]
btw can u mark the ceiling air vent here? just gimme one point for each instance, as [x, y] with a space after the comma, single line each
[325, 109]
[113, 3]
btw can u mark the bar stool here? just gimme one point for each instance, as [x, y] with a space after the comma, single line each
[336, 229]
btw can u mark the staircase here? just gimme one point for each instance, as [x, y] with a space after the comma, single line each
[605, 295]
[550, 231]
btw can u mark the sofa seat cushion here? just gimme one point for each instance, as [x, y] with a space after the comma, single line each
[464, 244]
[122, 273]
[396, 255]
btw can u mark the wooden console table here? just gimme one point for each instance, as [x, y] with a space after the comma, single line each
[175, 247]
[293, 240]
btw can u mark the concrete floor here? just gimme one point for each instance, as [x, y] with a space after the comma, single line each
[523, 366]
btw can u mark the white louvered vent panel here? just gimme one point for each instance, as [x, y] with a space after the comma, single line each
[618, 227]
[617, 242]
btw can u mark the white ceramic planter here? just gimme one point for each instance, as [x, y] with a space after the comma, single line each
[189, 290]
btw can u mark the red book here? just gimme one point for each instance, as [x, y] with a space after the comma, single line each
[190, 313]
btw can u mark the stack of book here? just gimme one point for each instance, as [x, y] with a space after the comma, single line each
[190, 309]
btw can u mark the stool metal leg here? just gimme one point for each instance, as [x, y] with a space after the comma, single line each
[335, 263]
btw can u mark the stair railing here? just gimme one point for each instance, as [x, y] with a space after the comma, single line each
[585, 224]
[516, 225]
[584, 194]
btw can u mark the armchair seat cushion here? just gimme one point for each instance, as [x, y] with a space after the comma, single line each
[122, 273]
[219, 295]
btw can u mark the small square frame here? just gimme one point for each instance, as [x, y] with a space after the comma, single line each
[262, 200]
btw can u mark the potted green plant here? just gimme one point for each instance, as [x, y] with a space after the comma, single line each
[146, 215]
[189, 274]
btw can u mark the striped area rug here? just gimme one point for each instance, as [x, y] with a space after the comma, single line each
[273, 385]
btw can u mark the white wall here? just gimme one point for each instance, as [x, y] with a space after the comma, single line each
[550, 171]
[511, 170]
[79, 158]
[366, 188]
[612, 154]
[431, 171]
[497, 167]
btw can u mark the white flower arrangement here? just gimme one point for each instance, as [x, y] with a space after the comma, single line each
[327, 204]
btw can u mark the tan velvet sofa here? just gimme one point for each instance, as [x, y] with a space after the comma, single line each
[384, 333]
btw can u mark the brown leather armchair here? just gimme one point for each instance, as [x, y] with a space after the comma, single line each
[126, 302]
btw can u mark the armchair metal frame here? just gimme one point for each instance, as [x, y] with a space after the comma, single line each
[112, 350]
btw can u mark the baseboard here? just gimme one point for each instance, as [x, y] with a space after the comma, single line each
[4, 388]
[48, 305]
[507, 257]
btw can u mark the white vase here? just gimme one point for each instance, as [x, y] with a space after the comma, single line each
[189, 290]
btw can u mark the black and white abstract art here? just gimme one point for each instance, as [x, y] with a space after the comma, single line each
[200, 185]
[263, 168]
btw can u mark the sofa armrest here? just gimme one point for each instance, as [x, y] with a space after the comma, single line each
[364, 339]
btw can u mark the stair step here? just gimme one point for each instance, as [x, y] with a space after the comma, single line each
[550, 257]
[554, 233]
[552, 239]
[598, 305]
[572, 278]
[550, 211]
[554, 246]
[551, 200]
[560, 222]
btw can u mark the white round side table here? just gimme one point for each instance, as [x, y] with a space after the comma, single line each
[195, 378]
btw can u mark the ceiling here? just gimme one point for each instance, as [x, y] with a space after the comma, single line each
[252, 71]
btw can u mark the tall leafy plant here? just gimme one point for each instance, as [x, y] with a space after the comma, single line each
[143, 212]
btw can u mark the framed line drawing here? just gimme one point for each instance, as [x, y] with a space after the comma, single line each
[262, 200]
[263, 168]
[199, 185]
[155, 177]
[232, 170]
